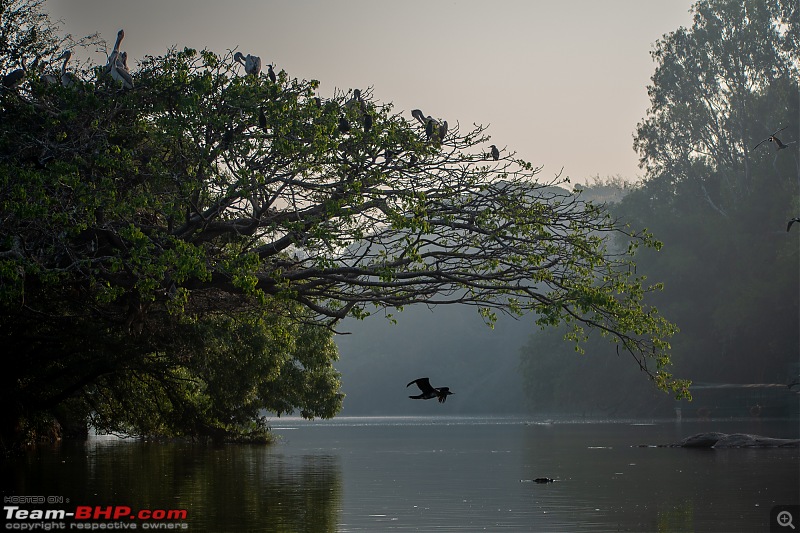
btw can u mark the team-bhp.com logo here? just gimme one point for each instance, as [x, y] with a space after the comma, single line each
[94, 517]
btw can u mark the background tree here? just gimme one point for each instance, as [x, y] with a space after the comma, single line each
[719, 205]
[148, 232]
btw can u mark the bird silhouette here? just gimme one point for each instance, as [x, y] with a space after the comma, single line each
[495, 152]
[428, 391]
[13, 78]
[271, 73]
[792, 221]
[778, 144]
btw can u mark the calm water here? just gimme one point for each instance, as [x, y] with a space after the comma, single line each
[433, 474]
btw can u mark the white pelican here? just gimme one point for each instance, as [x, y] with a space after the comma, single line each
[252, 64]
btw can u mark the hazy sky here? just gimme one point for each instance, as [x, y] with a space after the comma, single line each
[562, 86]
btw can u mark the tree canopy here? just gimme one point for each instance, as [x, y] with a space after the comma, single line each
[207, 225]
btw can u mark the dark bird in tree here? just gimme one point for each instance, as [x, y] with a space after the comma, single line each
[13, 78]
[778, 144]
[262, 120]
[495, 152]
[792, 221]
[429, 126]
[442, 131]
[344, 125]
[428, 391]
[367, 122]
[271, 73]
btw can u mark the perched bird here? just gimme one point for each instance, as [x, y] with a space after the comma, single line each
[367, 122]
[792, 221]
[419, 115]
[428, 391]
[344, 125]
[112, 59]
[262, 120]
[442, 132]
[773, 139]
[67, 78]
[495, 152]
[13, 78]
[355, 101]
[120, 72]
[271, 74]
[252, 64]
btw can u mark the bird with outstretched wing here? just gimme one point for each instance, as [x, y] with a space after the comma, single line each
[428, 391]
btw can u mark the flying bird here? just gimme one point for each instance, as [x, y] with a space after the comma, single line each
[252, 64]
[792, 221]
[495, 152]
[428, 391]
[773, 139]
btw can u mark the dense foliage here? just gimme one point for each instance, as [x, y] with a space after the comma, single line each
[174, 256]
[719, 202]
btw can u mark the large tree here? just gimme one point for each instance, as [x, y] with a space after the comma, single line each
[144, 229]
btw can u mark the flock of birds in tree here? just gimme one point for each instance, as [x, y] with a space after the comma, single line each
[779, 145]
[117, 67]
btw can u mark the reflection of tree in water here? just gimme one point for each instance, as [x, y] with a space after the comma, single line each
[229, 488]
[244, 488]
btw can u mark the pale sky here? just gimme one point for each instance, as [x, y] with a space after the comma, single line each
[561, 83]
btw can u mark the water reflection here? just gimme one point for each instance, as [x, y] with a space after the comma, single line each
[436, 475]
[230, 488]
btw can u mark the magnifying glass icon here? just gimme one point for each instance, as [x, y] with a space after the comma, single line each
[785, 519]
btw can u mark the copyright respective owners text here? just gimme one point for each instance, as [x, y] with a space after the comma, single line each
[54, 513]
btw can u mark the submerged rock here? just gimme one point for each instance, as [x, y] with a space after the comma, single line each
[743, 440]
[735, 440]
[701, 440]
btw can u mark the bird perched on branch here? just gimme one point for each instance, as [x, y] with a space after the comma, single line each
[252, 64]
[67, 78]
[428, 391]
[495, 152]
[271, 74]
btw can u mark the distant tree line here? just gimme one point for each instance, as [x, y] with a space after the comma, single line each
[719, 199]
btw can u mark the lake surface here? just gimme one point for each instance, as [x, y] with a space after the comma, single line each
[431, 474]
